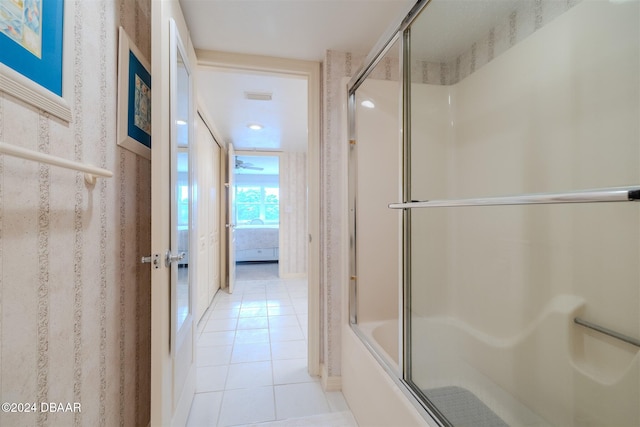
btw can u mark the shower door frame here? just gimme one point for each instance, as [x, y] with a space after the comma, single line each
[399, 32]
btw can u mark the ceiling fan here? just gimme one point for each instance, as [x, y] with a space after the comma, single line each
[244, 165]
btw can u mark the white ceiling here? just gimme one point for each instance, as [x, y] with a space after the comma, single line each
[284, 117]
[296, 29]
[306, 29]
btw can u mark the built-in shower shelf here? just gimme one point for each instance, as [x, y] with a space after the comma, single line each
[599, 195]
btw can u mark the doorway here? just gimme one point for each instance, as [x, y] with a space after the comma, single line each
[272, 139]
[257, 210]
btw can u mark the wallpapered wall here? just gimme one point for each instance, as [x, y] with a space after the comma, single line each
[74, 300]
[293, 217]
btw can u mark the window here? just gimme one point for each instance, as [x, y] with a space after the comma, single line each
[256, 204]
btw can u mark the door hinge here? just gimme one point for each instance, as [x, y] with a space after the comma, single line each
[352, 142]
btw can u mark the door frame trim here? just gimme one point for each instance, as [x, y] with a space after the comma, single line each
[310, 70]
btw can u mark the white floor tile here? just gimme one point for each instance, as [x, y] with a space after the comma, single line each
[249, 375]
[229, 303]
[252, 336]
[300, 400]
[256, 352]
[291, 333]
[281, 310]
[205, 410]
[225, 313]
[245, 406]
[337, 402]
[215, 325]
[213, 356]
[253, 312]
[277, 291]
[255, 304]
[216, 338]
[252, 360]
[289, 350]
[253, 323]
[284, 301]
[254, 296]
[211, 378]
[333, 419]
[291, 371]
[283, 321]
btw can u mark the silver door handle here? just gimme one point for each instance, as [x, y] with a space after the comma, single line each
[170, 258]
[230, 225]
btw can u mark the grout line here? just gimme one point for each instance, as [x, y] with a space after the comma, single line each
[247, 292]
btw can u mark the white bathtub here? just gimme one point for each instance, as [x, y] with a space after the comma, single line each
[384, 337]
[551, 373]
[374, 394]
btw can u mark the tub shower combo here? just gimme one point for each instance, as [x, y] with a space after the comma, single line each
[494, 173]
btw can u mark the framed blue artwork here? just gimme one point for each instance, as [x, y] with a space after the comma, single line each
[31, 41]
[134, 98]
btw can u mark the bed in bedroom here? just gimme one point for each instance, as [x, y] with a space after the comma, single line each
[257, 243]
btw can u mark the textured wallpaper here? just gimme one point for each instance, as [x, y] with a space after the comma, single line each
[527, 18]
[74, 300]
[293, 217]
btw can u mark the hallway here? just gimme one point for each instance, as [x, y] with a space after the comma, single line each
[252, 358]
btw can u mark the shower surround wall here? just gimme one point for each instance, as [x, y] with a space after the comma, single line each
[557, 112]
[524, 109]
[74, 300]
[515, 27]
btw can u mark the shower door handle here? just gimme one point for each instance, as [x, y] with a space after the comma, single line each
[598, 195]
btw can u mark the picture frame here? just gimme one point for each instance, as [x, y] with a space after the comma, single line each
[31, 53]
[134, 98]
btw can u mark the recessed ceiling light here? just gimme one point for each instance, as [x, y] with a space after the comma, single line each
[367, 103]
[181, 122]
[255, 126]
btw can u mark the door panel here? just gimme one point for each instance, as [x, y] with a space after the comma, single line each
[207, 227]
[231, 217]
[172, 321]
[179, 259]
[214, 222]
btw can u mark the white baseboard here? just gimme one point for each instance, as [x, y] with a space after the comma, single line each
[329, 383]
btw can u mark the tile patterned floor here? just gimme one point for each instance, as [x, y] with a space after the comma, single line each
[252, 351]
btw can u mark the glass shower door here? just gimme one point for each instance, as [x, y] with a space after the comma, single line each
[524, 313]
[375, 178]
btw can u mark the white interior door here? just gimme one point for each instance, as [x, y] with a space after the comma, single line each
[231, 216]
[181, 257]
[172, 304]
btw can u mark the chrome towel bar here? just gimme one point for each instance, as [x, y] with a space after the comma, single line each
[91, 172]
[617, 194]
[607, 331]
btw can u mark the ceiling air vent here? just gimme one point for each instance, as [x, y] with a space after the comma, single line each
[258, 96]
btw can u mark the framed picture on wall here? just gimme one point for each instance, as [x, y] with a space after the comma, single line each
[31, 53]
[134, 98]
